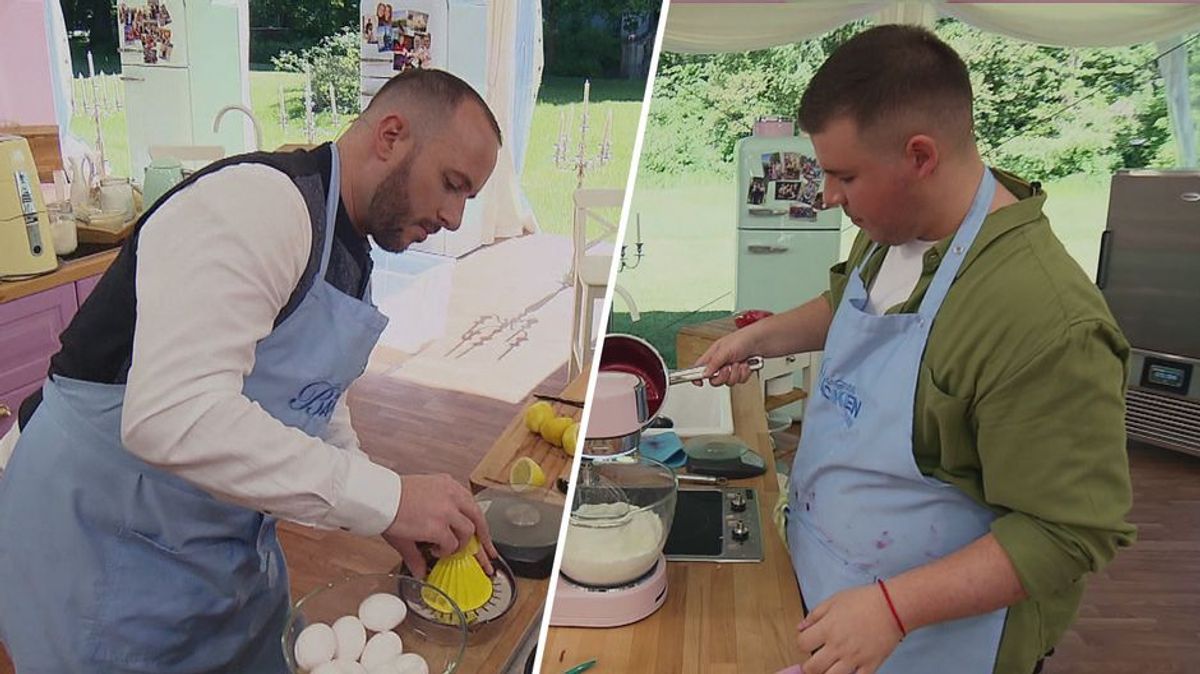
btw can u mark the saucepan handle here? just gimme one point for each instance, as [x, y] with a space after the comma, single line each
[696, 373]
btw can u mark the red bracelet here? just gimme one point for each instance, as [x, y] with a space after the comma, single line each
[892, 607]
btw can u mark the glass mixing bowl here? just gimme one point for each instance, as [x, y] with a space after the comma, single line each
[442, 645]
[619, 522]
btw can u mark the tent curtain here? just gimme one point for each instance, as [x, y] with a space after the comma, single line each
[703, 27]
[736, 26]
[505, 211]
[1174, 70]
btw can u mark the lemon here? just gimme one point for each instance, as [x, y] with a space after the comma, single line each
[570, 437]
[537, 414]
[553, 429]
[526, 474]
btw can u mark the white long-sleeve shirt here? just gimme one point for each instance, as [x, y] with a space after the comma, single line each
[216, 263]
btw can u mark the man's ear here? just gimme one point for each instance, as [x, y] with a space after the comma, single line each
[922, 155]
[393, 134]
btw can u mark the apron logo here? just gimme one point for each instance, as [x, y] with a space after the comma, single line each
[843, 396]
[317, 399]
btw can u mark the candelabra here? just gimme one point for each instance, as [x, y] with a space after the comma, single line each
[637, 254]
[581, 163]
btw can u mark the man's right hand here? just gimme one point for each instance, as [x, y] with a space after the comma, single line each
[725, 360]
[437, 509]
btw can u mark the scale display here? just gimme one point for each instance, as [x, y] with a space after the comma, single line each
[1165, 375]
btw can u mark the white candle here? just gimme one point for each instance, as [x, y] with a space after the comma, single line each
[587, 87]
[639, 227]
[91, 65]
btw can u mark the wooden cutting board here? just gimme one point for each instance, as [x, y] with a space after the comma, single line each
[517, 441]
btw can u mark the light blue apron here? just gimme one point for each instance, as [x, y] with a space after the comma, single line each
[109, 565]
[859, 509]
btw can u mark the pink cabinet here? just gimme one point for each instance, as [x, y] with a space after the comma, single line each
[29, 330]
[84, 287]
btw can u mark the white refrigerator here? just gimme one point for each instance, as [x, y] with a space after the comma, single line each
[450, 35]
[182, 61]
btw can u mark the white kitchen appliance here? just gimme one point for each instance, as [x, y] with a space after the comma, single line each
[26, 244]
[182, 62]
[786, 239]
[1149, 272]
[450, 35]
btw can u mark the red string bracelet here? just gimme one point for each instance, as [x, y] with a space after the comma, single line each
[892, 607]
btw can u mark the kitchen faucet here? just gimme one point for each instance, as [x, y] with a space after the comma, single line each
[257, 127]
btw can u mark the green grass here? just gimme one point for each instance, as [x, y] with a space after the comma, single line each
[548, 189]
[660, 328]
[690, 241]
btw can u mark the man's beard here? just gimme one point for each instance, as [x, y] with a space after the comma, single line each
[390, 208]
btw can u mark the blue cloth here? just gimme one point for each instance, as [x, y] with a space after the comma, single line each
[666, 448]
[111, 565]
[859, 509]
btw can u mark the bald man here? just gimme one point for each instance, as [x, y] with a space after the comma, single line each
[962, 463]
[199, 397]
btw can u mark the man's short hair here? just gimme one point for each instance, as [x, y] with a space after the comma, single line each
[439, 92]
[891, 74]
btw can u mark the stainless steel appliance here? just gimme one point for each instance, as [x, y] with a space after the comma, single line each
[1149, 272]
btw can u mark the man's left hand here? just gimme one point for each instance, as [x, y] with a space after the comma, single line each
[854, 631]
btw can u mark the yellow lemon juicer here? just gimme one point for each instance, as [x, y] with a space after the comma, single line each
[462, 578]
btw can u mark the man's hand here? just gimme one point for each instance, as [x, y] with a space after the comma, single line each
[436, 509]
[724, 361]
[854, 631]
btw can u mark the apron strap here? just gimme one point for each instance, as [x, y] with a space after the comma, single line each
[952, 262]
[331, 207]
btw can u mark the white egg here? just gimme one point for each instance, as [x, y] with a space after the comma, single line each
[331, 667]
[382, 611]
[351, 637]
[350, 667]
[381, 648]
[315, 646]
[410, 663]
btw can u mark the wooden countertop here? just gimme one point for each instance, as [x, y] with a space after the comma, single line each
[718, 618]
[67, 272]
[493, 648]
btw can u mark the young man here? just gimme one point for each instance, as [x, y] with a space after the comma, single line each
[962, 465]
[199, 396]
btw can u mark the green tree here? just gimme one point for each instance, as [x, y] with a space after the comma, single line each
[583, 37]
[1044, 112]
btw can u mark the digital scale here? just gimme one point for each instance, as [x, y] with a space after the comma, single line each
[722, 456]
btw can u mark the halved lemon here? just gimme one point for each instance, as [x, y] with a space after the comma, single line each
[526, 474]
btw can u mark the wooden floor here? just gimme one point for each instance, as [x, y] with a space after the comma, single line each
[411, 429]
[1140, 615]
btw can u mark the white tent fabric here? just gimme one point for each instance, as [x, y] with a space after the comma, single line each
[506, 211]
[706, 27]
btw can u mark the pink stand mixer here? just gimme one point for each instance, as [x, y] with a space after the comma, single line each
[613, 572]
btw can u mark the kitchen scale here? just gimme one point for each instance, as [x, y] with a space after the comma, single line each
[524, 527]
[723, 456]
[580, 605]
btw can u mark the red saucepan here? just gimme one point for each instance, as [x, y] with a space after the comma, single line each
[626, 353]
